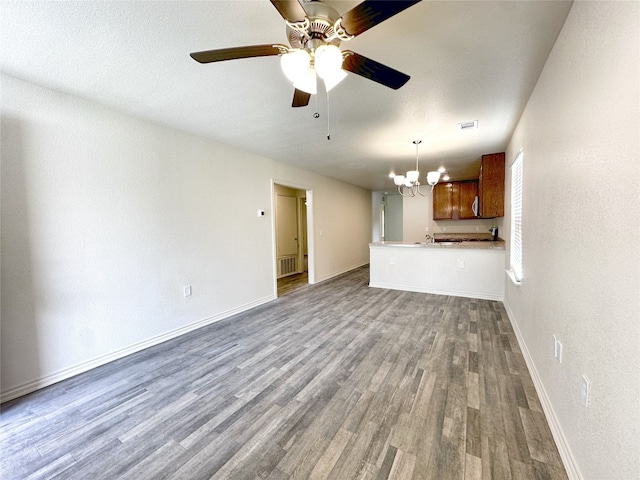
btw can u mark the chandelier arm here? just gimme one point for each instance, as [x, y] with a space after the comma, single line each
[425, 194]
[401, 190]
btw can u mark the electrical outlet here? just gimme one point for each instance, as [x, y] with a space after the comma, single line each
[586, 390]
[187, 291]
[426, 229]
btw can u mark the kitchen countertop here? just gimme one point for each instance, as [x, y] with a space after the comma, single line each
[456, 237]
[468, 244]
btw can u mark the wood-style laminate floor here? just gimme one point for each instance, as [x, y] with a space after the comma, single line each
[292, 283]
[337, 381]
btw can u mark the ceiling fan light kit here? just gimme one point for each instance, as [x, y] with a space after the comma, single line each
[409, 184]
[315, 31]
[301, 67]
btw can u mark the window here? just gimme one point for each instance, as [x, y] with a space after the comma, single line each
[515, 258]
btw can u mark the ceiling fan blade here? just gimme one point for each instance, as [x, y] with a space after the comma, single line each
[367, 68]
[234, 53]
[372, 12]
[291, 10]
[300, 98]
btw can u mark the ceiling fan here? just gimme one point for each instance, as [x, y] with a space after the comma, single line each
[315, 31]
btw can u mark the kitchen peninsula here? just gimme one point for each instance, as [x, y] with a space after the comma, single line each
[467, 268]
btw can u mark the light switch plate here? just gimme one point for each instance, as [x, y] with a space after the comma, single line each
[559, 350]
[586, 391]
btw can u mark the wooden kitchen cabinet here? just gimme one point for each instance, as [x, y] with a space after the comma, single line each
[491, 186]
[455, 200]
[443, 201]
[468, 200]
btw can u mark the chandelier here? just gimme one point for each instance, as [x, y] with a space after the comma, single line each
[409, 184]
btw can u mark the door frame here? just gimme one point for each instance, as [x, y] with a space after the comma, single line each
[310, 230]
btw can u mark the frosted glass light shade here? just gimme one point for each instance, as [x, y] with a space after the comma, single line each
[307, 82]
[413, 175]
[334, 79]
[327, 60]
[433, 177]
[295, 63]
[398, 180]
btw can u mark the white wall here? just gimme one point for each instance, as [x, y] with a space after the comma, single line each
[416, 212]
[106, 217]
[581, 207]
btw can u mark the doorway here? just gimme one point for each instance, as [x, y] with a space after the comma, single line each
[291, 227]
[386, 217]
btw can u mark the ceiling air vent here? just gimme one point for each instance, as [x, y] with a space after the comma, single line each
[468, 125]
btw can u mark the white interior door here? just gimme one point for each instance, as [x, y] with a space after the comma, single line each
[287, 226]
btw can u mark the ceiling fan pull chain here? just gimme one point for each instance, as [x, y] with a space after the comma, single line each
[317, 114]
[328, 126]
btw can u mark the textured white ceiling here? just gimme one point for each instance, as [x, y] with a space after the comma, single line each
[476, 60]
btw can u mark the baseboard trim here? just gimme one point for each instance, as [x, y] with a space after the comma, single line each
[413, 288]
[53, 378]
[568, 460]
[341, 272]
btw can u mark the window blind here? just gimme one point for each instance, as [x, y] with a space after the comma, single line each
[516, 218]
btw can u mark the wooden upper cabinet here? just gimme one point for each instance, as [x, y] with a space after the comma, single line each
[455, 200]
[468, 195]
[443, 201]
[491, 186]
